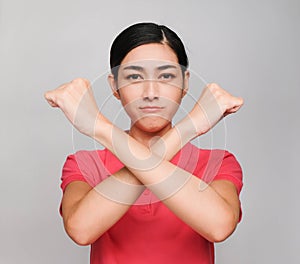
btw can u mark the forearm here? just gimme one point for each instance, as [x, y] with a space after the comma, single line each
[99, 208]
[105, 204]
[77, 102]
[175, 139]
[191, 199]
[205, 211]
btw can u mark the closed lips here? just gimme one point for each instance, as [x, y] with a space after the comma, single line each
[151, 108]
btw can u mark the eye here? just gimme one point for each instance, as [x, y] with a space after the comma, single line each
[167, 76]
[134, 77]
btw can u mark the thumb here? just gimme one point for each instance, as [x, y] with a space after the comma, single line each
[238, 103]
[50, 99]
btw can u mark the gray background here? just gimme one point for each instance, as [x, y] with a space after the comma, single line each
[251, 48]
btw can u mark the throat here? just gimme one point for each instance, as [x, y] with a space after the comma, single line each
[145, 137]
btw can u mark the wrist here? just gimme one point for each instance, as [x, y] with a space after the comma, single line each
[126, 176]
[119, 191]
[203, 118]
[102, 131]
[187, 129]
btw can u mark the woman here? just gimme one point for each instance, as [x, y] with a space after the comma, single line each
[149, 197]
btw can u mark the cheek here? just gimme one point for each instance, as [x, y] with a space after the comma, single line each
[129, 100]
[172, 109]
[129, 96]
[173, 102]
[173, 96]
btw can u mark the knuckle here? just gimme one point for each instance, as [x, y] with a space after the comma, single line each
[81, 82]
[46, 95]
[242, 101]
[214, 86]
[218, 94]
[215, 89]
[76, 80]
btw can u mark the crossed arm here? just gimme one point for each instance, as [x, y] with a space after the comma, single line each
[212, 212]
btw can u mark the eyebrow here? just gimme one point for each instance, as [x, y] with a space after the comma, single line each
[133, 67]
[141, 69]
[165, 67]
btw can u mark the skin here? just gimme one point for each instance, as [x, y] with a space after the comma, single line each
[212, 212]
[151, 91]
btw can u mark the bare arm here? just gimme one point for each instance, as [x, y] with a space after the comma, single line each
[212, 212]
[89, 212]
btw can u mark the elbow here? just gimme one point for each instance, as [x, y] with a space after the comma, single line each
[221, 235]
[223, 229]
[78, 232]
[80, 239]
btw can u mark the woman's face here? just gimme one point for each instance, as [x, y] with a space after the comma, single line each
[150, 86]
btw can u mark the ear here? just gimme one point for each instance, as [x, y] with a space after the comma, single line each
[113, 85]
[186, 78]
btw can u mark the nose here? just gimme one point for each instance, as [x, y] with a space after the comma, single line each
[150, 90]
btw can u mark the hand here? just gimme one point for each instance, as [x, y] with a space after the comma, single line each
[77, 102]
[213, 104]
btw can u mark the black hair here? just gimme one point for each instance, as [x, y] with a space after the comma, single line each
[145, 33]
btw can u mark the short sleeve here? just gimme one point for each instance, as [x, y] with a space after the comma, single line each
[70, 172]
[231, 170]
[87, 166]
[219, 164]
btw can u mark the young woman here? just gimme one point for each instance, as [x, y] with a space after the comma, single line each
[150, 196]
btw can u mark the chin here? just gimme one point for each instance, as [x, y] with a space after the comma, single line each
[153, 126]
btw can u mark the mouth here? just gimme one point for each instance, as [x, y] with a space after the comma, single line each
[151, 109]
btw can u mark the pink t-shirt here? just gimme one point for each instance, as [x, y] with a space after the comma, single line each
[149, 232]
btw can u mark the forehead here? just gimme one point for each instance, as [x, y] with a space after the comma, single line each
[149, 65]
[153, 52]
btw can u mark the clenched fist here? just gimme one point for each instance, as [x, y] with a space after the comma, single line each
[213, 104]
[77, 102]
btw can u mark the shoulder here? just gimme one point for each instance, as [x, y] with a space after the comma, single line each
[214, 156]
[82, 159]
[218, 164]
[85, 165]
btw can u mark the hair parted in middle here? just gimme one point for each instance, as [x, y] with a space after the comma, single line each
[145, 33]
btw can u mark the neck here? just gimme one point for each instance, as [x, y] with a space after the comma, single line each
[146, 137]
